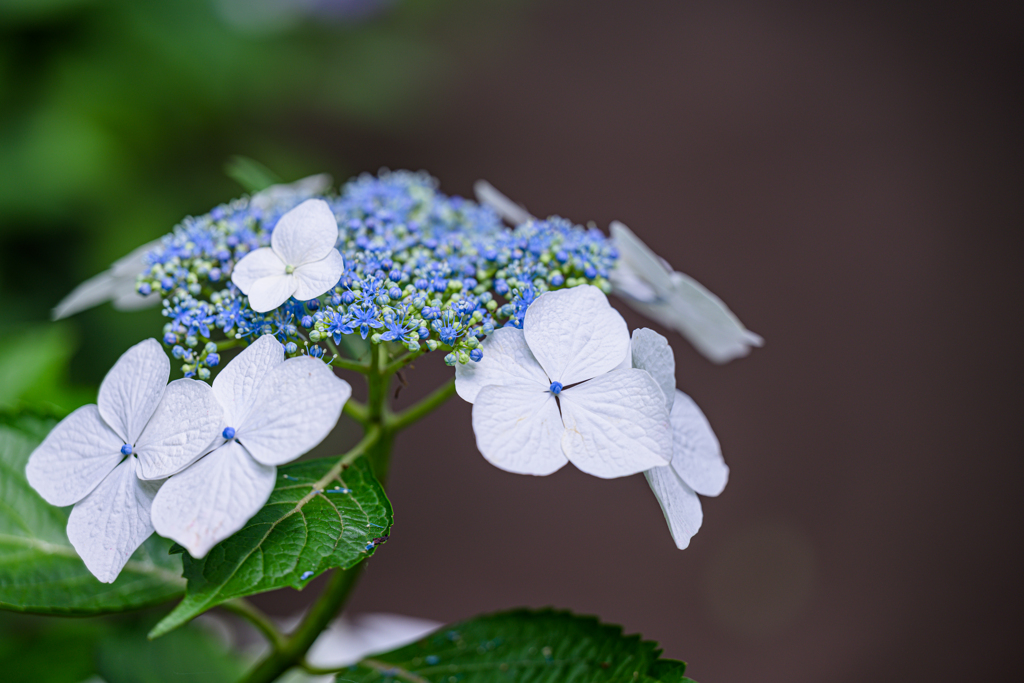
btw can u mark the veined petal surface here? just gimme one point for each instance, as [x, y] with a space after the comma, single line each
[316, 277]
[296, 406]
[268, 293]
[74, 457]
[183, 425]
[306, 233]
[616, 424]
[507, 360]
[132, 389]
[235, 387]
[109, 524]
[650, 351]
[697, 455]
[681, 506]
[575, 334]
[518, 429]
[212, 499]
[256, 265]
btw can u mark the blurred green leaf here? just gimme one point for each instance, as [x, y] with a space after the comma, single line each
[40, 571]
[34, 367]
[543, 646]
[250, 174]
[299, 534]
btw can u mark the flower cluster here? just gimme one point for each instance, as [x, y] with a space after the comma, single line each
[421, 269]
[191, 461]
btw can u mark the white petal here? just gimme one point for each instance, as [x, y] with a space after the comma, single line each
[268, 293]
[256, 265]
[112, 521]
[511, 212]
[629, 285]
[306, 233]
[183, 425]
[650, 351]
[706, 321]
[133, 301]
[132, 389]
[296, 406]
[616, 424]
[507, 360]
[345, 642]
[679, 503]
[74, 457]
[575, 334]
[306, 187]
[212, 499]
[110, 284]
[639, 259]
[235, 387]
[697, 456]
[518, 429]
[92, 292]
[317, 277]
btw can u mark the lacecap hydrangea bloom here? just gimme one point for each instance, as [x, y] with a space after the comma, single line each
[292, 273]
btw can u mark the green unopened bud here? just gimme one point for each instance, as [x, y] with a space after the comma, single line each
[463, 357]
[491, 305]
[477, 316]
[455, 285]
[204, 373]
[545, 257]
[432, 344]
[451, 359]
[375, 337]
[191, 341]
[315, 336]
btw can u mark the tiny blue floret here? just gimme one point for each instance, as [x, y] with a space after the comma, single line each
[476, 354]
[556, 388]
[228, 433]
[126, 449]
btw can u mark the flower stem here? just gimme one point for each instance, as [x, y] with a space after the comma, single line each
[254, 616]
[400, 421]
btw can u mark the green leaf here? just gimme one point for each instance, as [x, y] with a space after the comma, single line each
[249, 173]
[39, 570]
[300, 533]
[34, 366]
[544, 646]
[114, 649]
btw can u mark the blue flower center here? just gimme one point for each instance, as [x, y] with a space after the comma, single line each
[228, 433]
[126, 449]
[556, 388]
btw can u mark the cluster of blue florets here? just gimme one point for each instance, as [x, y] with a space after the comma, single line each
[422, 270]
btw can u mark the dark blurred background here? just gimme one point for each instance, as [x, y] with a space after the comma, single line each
[846, 177]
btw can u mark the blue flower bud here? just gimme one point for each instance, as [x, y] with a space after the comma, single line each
[348, 296]
[167, 284]
[203, 373]
[476, 355]
[307, 321]
[395, 293]
[126, 449]
[450, 359]
[290, 348]
[191, 340]
[228, 433]
[210, 347]
[178, 351]
[171, 338]
[145, 289]
[213, 360]
[556, 388]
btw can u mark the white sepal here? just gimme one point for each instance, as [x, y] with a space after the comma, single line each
[305, 234]
[74, 457]
[697, 455]
[256, 265]
[109, 524]
[680, 504]
[575, 334]
[315, 278]
[617, 424]
[268, 293]
[212, 499]
[296, 406]
[650, 351]
[517, 429]
[508, 210]
[132, 389]
[235, 386]
[507, 360]
[185, 422]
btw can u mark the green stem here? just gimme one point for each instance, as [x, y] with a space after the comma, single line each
[254, 616]
[400, 421]
[319, 616]
[403, 360]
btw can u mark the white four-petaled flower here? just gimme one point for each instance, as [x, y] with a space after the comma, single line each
[108, 459]
[274, 411]
[301, 260]
[551, 393]
[697, 464]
